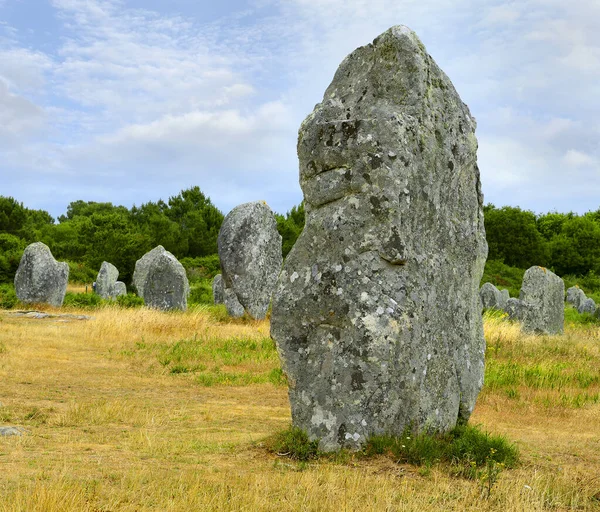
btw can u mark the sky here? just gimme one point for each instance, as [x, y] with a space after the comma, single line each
[131, 101]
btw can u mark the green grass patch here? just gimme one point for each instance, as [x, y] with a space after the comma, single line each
[84, 300]
[210, 362]
[131, 300]
[574, 318]
[466, 450]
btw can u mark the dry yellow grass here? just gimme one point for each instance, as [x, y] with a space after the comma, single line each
[112, 424]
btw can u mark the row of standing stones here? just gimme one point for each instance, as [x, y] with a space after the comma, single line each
[540, 306]
[376, 312]
[250, 252]
[158, 278]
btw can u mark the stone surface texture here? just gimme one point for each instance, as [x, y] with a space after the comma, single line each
[40, 278]
[543, 292]
[587, 306]
[491, 297]
[141, 268]
[575, 296]
[234, 308]
[504, 296]
[106, 280]
[218, 289]
[166, 285]
[250, 254]
[120, 288]
[377, 314]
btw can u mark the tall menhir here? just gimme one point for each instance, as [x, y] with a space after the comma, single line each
[376, 314]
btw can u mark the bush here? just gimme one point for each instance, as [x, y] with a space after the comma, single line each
[503, 276]
[8, 297]
[81, 274]
[130, 300]
[202, 268]
[201, 293]
[83, 300]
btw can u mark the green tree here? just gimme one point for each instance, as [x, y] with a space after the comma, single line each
[513, 237]
[290, 226]
[198, 219]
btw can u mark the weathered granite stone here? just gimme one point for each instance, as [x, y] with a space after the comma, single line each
[105, 282]
[491, 297]
[141, 268]
[504, 296]
[40, 278]
[119, 288]
[250, 254]
[545, 291]
[575, 296]
[587, 306]
[234, 308]
[166, 285]
[218, 289]
[521, 311]
[377, 315]
[11, 431]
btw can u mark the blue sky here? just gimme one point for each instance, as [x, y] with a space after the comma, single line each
[130, 101]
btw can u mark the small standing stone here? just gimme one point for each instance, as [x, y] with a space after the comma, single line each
[119, 289]
[250, 254]
[218, 289]
[141, 268]
[106, 280]
[491, 297]
[587, 306]
[544, 292]
[575, 296]
[166, 285]
[40, 278]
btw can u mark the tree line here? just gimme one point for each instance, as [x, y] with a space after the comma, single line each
[89, 233]
[188, 225]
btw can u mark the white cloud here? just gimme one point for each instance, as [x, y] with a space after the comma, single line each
[574, 158]
[156, 101]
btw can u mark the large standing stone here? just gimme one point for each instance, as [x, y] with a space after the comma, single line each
[107, 285]
[377, 315]
[166, 285]
[218, 289]
[142, 265]
[544, 292]
[40, 278]
[250, 254]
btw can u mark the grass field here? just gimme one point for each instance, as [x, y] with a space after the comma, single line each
[138, 410]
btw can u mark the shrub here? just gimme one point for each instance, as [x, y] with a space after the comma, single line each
[80, 273]
[201, 268]
[201, 293]
[130, 300]
[83, 300]
[8, 297]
